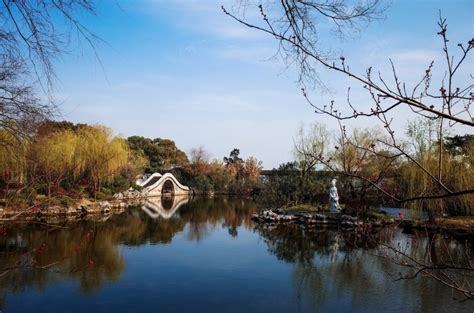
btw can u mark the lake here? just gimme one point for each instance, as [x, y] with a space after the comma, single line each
[206, 255]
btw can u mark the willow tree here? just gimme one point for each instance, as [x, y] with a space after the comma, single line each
[101, 155]
[53, 158]
[428, 150]
[13, 164]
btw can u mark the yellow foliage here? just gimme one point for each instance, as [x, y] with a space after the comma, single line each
[90, 154]
[456, 174]
[12, 158]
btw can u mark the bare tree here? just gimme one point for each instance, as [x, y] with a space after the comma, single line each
[37, 31]
[19, 108]
[308, 147]
[32, 34]
[293, 24]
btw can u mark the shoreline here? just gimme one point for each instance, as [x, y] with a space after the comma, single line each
[279, 216]
[87, 209]
[465, 228]
[83, 209]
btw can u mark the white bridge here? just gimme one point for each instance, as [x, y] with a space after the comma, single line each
[164, 207]
[158, 185]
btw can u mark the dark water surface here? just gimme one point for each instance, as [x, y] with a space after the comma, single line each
[206, 256]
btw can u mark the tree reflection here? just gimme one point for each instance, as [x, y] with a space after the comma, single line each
[88, 252]
[329, 263]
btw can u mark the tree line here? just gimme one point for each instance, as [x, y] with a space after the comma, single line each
[321, 154]
[65, 160]
[231, 175]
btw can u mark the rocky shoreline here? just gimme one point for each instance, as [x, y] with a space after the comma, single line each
[311, 220]
[279, 216]
[85, 209]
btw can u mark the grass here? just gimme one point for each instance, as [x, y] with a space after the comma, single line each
[301, 208]
[306, 208]
[378, 215]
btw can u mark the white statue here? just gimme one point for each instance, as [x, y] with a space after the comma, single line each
[333, 197]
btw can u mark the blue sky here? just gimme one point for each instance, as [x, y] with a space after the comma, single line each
[180, 69]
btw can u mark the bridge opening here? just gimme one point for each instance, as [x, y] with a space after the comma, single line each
[167, 202]
[168, 188]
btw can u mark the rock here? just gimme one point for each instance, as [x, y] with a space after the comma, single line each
[347, 223]
[349, 218]
[71, 210]
[319, 216]
[105, 207]
[83, 209]
[118, 196]
[52, 210]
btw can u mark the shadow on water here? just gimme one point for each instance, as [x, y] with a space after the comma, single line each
[328, 269]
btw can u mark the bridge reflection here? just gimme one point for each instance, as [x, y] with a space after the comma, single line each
[164, 207]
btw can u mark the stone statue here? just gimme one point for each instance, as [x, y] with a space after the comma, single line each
[333, 197]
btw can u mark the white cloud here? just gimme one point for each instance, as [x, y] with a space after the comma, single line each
[204, 16]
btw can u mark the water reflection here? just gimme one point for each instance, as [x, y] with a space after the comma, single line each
[329, 264]
[89, 252]
[165, 206]
[214, 240]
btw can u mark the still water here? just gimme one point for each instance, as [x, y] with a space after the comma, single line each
[205, 255]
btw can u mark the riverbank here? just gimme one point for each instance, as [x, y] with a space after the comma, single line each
[311, 219]
[305, 215]
[311, 216]
[79, 209]
[456, 226]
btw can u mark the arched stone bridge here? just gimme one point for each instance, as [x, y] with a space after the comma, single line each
[158, 185]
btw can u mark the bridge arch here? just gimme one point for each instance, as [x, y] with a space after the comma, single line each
[157, 185]
[163, 207]
[167, 188]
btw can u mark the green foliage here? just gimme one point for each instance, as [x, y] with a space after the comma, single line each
[289, 187]
[203, 184]
[162, 154]
[233, 157]
[460, 146]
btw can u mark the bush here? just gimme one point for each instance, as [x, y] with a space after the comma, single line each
[202, 184]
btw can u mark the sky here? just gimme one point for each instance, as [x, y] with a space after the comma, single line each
[181, 69]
